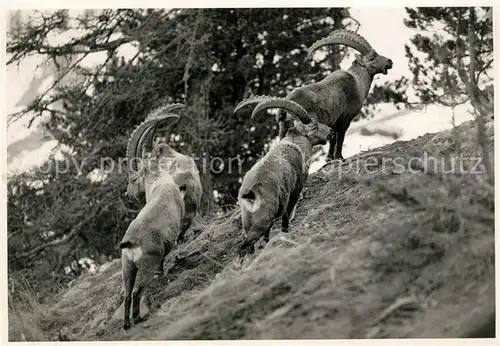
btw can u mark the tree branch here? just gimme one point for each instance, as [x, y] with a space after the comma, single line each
[482, 70]
[33, 252]
[94, 48]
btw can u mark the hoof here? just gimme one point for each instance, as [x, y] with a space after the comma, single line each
[242, 252]
[141, 318]
[334, 159]
[126, 325]
[245, 249]
[284, 230]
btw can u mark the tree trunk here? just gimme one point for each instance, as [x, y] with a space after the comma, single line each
[197, 95]
[207, 200]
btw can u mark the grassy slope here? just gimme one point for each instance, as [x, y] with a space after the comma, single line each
[370, 254]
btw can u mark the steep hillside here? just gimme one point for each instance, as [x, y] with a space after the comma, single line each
[375, 251]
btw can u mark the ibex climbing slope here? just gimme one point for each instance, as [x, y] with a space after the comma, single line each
[182, 167]
[155, 230]
[271, 188]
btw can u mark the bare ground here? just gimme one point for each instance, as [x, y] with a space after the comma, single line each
[378, 253]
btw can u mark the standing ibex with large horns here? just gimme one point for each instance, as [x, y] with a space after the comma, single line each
[152, 234]
[181, 167]
[271, 188]
[155, 230]
[338, 98]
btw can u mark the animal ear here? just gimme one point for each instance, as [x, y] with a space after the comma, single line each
[166, 150]
[162, 149]
[359, 59]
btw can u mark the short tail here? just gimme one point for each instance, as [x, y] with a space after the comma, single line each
[127, 244]
[250, 201]
[250, 195]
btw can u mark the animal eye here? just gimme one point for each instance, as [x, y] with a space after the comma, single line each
[182, 187]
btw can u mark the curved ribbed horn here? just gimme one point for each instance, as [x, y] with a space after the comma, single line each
[144, 131]
[164, 109]
[249, 101]
[290, 106]
[345, 37]
[149, 134]
[138, 136]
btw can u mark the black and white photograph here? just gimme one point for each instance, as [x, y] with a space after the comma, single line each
[249, 173]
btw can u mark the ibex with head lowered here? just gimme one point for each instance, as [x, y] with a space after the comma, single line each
[181, 167]
[337, 99]
[271, 188]
[154, 232]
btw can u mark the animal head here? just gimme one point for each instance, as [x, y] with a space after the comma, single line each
[140, 166]
[303, 123]
[374, 63]
[369, 58]
[316, 133]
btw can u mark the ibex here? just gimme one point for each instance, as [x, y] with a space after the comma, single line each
[181, 167]
[271, 188]
[337, 99]
[153, 233]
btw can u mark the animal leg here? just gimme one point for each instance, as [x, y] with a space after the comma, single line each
[160, 269]
[331, 149]
[289, 214]
[247, 246]
[292, 213]
[266, 234]
[186, 223]
[341, 135]
[285, 221]
[136, 300]
[129, 272]
[190, 211]
[340, 142]
[148, 270]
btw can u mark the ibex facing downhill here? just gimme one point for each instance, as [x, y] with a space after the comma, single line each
[182, 167]
[338, 98]
[271, 188]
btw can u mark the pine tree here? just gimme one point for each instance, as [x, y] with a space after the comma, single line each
[451, 59]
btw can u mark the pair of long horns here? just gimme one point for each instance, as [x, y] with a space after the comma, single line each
[144, 132]
[345, 37]
[266, 102]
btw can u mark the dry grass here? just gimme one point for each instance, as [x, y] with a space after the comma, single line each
[25, 313]
[369, 255]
